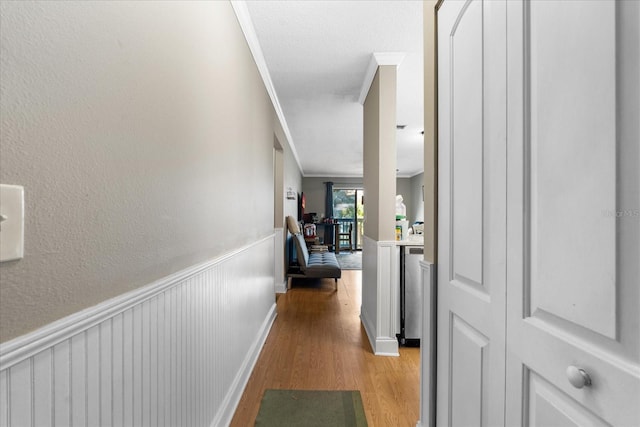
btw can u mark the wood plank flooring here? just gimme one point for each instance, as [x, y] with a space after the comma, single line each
[317, 343]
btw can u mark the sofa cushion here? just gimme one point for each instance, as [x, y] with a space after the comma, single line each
[292, 226]
[301, 250]
[323, 264]
[316, 265]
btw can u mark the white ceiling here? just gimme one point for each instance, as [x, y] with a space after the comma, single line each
[317, 53]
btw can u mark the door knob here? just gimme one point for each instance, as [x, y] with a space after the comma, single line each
[578, 377]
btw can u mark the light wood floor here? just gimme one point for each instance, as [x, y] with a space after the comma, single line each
[318, 343]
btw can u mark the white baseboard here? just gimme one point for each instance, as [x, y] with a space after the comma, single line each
[281, 288]
[369, 329]
[381, 346]
[387, 347]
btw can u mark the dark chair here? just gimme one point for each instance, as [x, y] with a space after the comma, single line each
[344, 237]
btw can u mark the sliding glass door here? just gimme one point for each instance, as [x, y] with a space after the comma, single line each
[349, 209]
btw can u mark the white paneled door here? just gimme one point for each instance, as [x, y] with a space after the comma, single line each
[471, 213]
[538, 269]
[573, 219]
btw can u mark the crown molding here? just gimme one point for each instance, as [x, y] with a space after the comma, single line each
[378, 59]
[246, 24]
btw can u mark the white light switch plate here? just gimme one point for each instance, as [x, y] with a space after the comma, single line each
[12, 224]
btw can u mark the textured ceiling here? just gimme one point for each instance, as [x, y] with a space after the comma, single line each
[317, 53]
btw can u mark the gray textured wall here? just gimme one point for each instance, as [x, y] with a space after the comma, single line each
[143, 136]
[379, 155]
[417, 199]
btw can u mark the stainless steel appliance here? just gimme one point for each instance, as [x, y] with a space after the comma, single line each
[410, 295]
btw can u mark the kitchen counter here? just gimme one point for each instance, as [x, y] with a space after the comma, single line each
[412, 240]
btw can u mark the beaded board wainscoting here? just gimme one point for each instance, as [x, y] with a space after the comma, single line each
[176, 352]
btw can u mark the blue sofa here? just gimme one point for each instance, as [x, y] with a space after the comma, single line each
[317, 265]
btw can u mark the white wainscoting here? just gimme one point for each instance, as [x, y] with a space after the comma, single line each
[177, 352]
[380, 310]
[428, 346]
[368, 309]
[279, 261]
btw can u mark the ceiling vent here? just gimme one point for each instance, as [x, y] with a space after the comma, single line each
[401, 126]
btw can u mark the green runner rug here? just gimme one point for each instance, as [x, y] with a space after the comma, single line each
[292, 408]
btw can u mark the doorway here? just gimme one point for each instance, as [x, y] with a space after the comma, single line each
[348, 209]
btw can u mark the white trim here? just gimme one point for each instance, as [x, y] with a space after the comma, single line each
[388, 299]
[342, 186]
[230, 404]
[400, 175]
[368, 310]
[368, 328]
[380, 300]
[387, 347]
[381, 346]
[428, 358]
[246, 24]
[281, 280]
[279, 264]
[378, 59]
[333, 175]
[21, 348]
[281, 288]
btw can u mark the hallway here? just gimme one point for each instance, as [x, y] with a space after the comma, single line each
[317, 342]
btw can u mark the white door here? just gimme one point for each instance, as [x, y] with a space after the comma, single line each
[539, 221]
[471, 213]
[573, 219]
